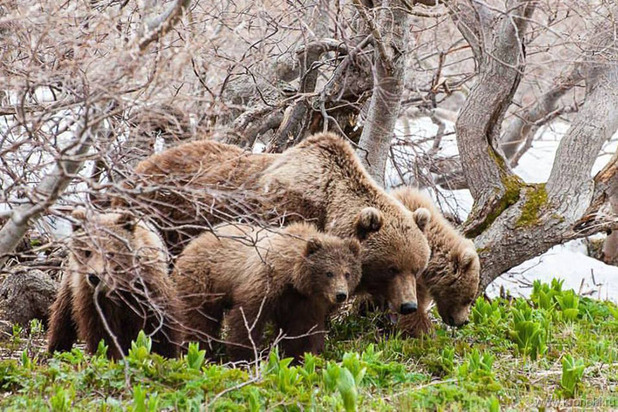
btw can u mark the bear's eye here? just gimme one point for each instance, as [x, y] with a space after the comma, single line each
[393, 270]
[347, 275]
[87, 254]
[329, 274]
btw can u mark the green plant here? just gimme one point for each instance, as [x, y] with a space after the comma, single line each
[543, 295]
[447, 358]
[347, 386]
[363, 368]
[569, 305]
[195, 356]
[484, 312]
[477, 364]
[572, 373]
[140, 348]
[493, 405]
[16, 334]
[528, 333]
[140, 404]
[61, 400]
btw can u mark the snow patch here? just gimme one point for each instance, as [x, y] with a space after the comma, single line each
[585, 275]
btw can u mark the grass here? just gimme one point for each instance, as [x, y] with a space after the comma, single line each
[554, 350]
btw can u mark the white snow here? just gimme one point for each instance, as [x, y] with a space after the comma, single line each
[585, 275]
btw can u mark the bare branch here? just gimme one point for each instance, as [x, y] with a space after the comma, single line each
[528, 122]
[158, 26]
[48, 190]
[597, 122]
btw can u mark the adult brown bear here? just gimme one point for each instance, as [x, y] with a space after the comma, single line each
[116, 284]
[293, 276]
[320, 180]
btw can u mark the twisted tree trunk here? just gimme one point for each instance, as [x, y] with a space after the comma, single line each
[390, 37]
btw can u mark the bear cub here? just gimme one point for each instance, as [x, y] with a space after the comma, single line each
[293, 277]
[116, 283]
[452, 275]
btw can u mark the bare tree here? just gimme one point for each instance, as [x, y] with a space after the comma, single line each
[512, 221]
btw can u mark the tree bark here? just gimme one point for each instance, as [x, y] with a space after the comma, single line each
[390, 40]
[158, 26]
[25, 296]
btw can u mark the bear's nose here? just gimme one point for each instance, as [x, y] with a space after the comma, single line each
[93, 279]
[461, 324]
[341, 296]
[408, 307]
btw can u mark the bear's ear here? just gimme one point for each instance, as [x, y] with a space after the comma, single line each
[313, 245]
[422, 218]
[466, 258]
[127, 221]
[79, 217]
[369, 220]
[354, 246]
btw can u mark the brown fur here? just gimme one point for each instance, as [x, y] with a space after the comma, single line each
[320, 180]
[452, 276]
[291, 277]
[198, 184]
[120, 265]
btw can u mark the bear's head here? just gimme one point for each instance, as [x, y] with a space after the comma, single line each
[106, 254]
[331, 268]
[454, 285]
[394, 253]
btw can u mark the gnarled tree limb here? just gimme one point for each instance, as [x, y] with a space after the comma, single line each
[548, 214]
[528, 122]
[388, 73]
[501, 64]
[158, 26]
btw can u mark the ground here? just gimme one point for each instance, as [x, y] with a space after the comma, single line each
[554, 350]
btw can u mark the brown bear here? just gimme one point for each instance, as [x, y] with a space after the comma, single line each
[116, 284]
[320, 180]
[293, 277]
[452, 276]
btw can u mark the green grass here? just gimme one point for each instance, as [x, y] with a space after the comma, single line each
[556, 349]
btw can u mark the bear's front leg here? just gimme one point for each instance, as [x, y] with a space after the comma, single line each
[166, 339]
[245, 325]
[304, 327]
[62, 332]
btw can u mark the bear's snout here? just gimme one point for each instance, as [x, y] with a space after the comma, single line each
[452, 322]
[408, 307]
[341, 297]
